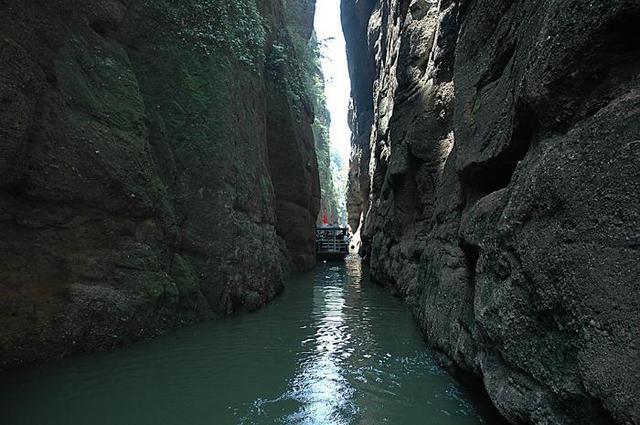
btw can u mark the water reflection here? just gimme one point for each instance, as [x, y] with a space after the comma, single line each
[333, 350]
[321, 385]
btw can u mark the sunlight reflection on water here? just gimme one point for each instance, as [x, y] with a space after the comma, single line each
[320, 385]
[345, 373]
[335, 349]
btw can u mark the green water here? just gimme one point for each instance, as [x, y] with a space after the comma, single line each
[334, 349]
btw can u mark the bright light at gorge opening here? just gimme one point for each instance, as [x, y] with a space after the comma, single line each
[338, 86]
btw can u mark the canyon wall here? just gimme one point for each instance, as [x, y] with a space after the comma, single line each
[495, 179]
[157, 166]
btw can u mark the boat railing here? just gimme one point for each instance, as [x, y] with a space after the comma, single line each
[332, 241]
[333, 245]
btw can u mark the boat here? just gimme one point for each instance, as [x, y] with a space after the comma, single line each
[332, 243]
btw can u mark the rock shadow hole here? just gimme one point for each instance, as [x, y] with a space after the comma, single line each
[17, 189]
[496, 71]
[482, 179]
[471, 256]
[405, 190]
[621, 34]
[103, 28]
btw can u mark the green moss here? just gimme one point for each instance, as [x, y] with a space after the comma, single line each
[157, 286]
[476, 106]
[209, 26]
[267, 187]
[107, 113]
[186, 280]
[192, 109]
[100, 86]
[101, 82]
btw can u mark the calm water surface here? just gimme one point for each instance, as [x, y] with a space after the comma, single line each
[334, 349]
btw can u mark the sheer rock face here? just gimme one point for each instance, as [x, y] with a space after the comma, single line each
[500, 191]
[141, 169]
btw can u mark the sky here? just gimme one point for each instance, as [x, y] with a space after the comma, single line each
[336, 74]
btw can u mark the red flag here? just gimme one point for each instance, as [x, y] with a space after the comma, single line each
[325, 219]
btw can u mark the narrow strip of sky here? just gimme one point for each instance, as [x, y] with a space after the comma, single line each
[336, 74]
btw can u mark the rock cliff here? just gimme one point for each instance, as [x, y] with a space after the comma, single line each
[495, 176]
[157, 166]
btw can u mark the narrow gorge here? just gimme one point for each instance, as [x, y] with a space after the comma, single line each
[166, 167]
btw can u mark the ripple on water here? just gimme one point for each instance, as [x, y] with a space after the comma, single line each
[334, 349]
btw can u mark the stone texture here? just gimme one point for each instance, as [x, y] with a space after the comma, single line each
[140, 168]
[498, 182]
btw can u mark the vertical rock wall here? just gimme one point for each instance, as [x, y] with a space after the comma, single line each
[156, 166]
[496, 168]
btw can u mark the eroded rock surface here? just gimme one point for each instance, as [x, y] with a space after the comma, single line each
[496, 167]
[141, 167]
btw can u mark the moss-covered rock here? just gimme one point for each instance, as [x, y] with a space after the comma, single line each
[146, 166]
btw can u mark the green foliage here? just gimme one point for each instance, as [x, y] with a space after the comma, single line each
[205, 38]
[283, 65]
[212, 25]
[294, 63]
[332, 197]
[312, 78]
